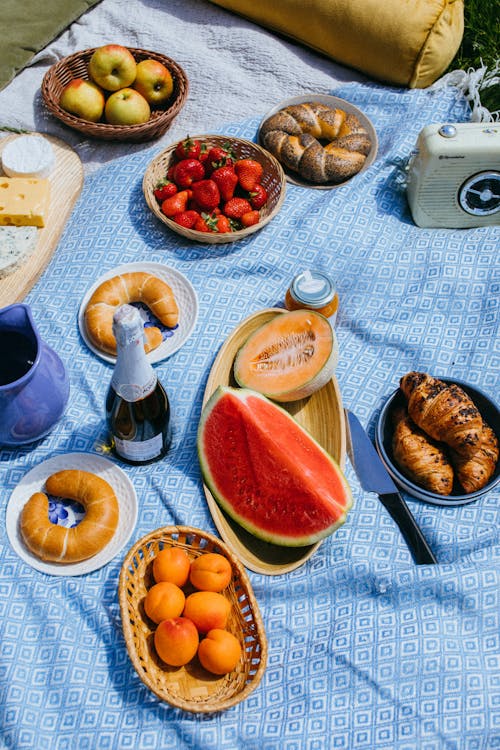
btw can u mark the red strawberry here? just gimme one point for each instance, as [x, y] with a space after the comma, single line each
[189, 148]
[258, 196]
[186, 218]
[213, 223]
[188, 171]
[203, 155]
[223, 224]
[164, 189]
[250, 218]
[193, 206]
[219, 156]
[226, 180]
[204, 223]
[236, 207]
[176, 203]
[249, 173]
[206, 194]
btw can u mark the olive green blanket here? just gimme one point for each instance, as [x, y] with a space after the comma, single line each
[28, 26]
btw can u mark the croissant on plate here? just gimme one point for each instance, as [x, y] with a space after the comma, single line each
[474, 472]
[445, 412]
[136, 286]
[420, 458]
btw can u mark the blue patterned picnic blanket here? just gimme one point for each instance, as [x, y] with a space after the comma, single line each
[366, 650]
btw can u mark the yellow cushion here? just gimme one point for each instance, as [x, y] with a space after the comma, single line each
[405, 42]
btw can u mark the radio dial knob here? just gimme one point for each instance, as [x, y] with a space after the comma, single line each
[447, 131]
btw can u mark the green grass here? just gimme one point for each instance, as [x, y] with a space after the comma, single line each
[481, 44]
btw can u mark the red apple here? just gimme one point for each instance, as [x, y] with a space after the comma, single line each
[153, 81]
[113, 67]
[83, 99]
[126, 107]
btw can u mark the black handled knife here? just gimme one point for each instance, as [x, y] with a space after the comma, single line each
[374, 477]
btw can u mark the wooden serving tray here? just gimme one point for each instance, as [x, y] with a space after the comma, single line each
[66, 181]
[321, 414]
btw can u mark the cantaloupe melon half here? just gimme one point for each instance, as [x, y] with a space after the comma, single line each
[289, 357]
[267, 472]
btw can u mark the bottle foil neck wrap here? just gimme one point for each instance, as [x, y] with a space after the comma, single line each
[133, 377]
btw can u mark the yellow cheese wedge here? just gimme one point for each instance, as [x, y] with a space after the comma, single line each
[24, 201]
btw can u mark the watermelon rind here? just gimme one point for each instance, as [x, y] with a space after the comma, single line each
[335, 509]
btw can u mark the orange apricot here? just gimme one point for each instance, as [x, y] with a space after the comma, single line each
[176, 641]
[163, 601]
[172, 564]
[207, 609]
[219, 651]
[210, 572]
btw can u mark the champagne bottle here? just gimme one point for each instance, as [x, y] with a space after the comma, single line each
[137, 406]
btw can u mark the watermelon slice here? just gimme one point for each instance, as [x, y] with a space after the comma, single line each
[267, 472]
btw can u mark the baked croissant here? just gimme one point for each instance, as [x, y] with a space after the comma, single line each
[474, 472]
[420, 457]
[136, 286]
[445, 412]
[292, 136]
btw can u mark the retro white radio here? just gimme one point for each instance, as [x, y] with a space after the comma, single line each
[453, 177]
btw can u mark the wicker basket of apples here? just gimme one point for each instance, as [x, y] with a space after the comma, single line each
[116, 93]
[214, 189]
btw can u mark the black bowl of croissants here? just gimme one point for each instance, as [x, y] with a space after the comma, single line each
[439, 439]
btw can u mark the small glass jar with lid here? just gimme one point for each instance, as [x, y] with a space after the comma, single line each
[313, 290]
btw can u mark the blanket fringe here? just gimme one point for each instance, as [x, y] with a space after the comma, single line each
[471, 83]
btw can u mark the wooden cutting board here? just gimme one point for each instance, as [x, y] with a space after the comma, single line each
[321, 414]
[66, 180]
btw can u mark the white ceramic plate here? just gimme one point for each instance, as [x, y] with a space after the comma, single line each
[184, 294]
[336, 103]
[34, 481]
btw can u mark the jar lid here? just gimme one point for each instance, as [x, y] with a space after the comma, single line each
[312, 288]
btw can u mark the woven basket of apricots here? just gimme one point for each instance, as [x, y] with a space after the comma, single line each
[191, 622]
[214, 189]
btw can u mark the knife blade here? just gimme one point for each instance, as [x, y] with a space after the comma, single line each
[374, 477]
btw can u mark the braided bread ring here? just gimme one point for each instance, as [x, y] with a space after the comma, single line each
[136, 286]
[292, 134]
[54, 543]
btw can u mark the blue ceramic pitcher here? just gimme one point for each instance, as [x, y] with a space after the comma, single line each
[34, 387]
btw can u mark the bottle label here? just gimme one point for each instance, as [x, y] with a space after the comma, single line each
[141, 451]
[131, 391]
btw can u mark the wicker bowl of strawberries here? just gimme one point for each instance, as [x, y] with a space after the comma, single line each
[214, 189]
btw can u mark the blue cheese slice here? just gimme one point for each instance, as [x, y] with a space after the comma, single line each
[16, 246]
[28, 156]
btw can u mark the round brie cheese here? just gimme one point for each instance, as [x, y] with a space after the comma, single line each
[28, 156]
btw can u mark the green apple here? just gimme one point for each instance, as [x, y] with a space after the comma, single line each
[126, 107]
[112, 67]
[153, 81]
[83, 99]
